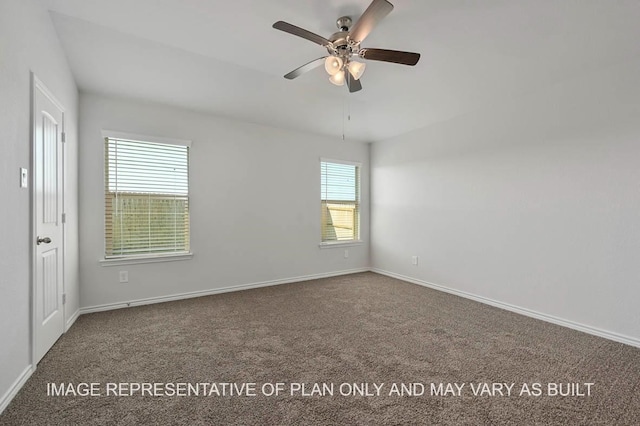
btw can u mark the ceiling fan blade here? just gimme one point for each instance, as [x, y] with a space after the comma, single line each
[395, 56]
[353, 84]
[377, 10]
[306, 67]
[300, 32]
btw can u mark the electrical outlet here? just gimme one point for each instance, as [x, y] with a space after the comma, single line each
[124, 276]
[346, 254]
[414, 260]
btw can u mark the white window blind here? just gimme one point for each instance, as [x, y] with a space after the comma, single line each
[146, 198]
[340, 201]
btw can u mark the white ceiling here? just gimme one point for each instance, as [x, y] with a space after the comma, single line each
[223, 57]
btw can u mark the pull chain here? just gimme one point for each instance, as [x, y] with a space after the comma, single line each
[346, 112]
[343, 108]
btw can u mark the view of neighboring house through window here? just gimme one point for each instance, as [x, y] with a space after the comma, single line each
[340, 201]
[146, 198]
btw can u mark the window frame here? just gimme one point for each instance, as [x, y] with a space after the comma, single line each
[356, 241]
[146, 257]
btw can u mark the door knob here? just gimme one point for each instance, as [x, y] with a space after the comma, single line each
[45, 240]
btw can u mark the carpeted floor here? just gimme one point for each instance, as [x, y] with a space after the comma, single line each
[358, 329]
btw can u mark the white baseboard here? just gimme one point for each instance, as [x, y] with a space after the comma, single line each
[189, 295]
[15, 387]
[519, 310]
[71, 320]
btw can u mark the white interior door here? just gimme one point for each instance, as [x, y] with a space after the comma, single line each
[48, 233]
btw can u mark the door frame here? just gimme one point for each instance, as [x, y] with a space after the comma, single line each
[38, 85]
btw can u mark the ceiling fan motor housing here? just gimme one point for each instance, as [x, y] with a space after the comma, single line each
[340, 45]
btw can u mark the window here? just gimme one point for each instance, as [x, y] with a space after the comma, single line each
[340, 201]
[146, 198]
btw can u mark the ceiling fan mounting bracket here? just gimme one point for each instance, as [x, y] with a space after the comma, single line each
[344, 23]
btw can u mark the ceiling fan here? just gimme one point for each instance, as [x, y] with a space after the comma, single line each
[345, 45]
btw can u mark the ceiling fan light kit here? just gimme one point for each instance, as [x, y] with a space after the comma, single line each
[345, 44]
[337, 78]
[356, 69]
[333, 65]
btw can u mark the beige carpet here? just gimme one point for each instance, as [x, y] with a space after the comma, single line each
[362, 328]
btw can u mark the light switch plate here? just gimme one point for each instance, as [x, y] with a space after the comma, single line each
[24, 178]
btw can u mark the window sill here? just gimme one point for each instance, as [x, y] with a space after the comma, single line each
[117, 261]
[341, 243]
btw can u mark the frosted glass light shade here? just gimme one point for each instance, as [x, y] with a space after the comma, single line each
[333, 64]
[356, 69]
[337, 78]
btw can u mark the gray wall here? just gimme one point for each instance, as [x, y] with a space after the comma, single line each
[254, 200]
[532, 204]
[28, 42]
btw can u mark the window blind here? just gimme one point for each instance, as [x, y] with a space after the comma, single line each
[340, 201]
[146, 198]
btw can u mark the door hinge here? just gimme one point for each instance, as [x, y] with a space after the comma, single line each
[64, 298]
[64, 218]
[64, 137]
